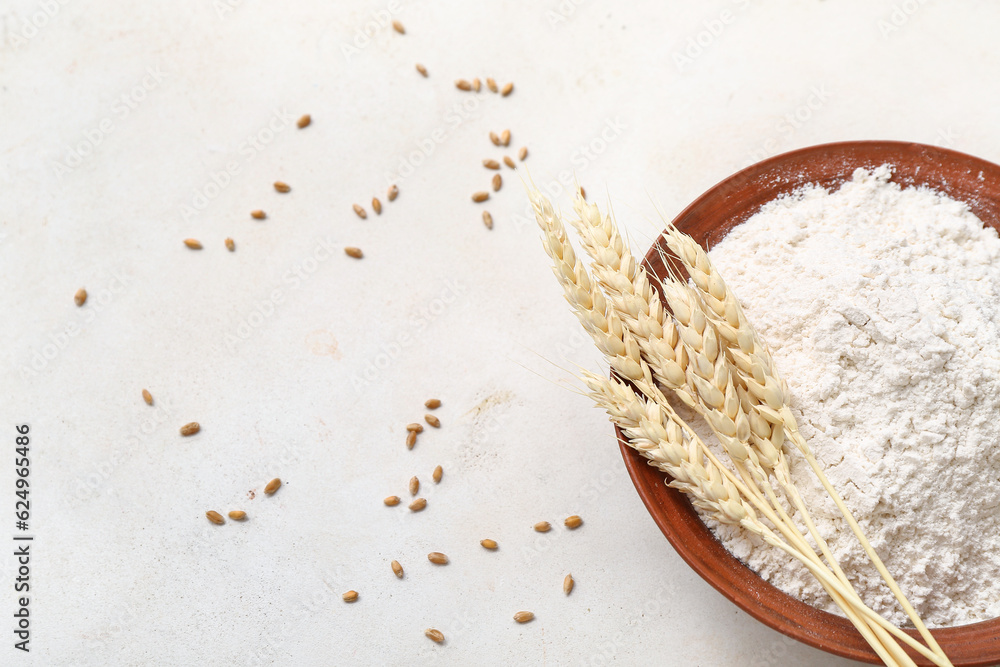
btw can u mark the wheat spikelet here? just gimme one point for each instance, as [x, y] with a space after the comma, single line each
[706, 352]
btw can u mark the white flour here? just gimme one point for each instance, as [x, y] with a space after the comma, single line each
[881, 306]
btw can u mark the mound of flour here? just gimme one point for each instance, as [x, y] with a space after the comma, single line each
[881, 306]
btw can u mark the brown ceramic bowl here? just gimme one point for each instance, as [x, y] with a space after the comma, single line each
[708, 219]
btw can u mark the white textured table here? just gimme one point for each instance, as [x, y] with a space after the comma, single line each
[127, 127]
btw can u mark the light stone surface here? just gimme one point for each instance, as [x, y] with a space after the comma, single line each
[303, 363]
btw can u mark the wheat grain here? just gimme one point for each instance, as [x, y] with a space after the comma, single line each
[360, 211]
[495, 138]
[437, 558]
[524, 616]
[462, 84]
[507, 160]
[432, 403]
[350, 596]
[487, 220]
[542, 527]
[258, 214]
[434, 635]
[480, 196]
[415, 427]
[497, 182]
[489, 544]
[491, 84]
[573, 522]
[433, 421]
[568, 584]
[414, 485]
[398, 27]
[190, 428]
[507, 89]
[522, 153]
[391, 501]
[194, 244]
[505, 138]
[146, 396]
[282, 187]
[411, 439]
[392, 193]
[237, 515]
[422, 70]
[304, 121]
[351, 251]
[418, 505]
[80, 297]
[215, 517]
[376, 206]
[397, 569]
[230, 245]
[477, 85]
[437, 474]
[491, 164]
[272, 486]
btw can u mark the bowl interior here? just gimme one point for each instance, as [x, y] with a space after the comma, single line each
[708, 219]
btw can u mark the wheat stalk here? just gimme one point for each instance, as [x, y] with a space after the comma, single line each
[707, 354]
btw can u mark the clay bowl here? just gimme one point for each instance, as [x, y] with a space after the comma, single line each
[708, 219]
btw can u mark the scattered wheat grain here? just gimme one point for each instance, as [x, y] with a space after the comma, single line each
[272, 486]
[398, 27]
[462, 84]
[491, 84]
[350, 596]
[376, 206]
[282, 187]
[507, 89]
[146, 396]
[434, 635]
[433, 421]
[190, 429]
[391, 501]
[480, 196]
[258, 214]
[393, 193]
[432, 403]
[360, 211]
[304, 121]
[524, 616]
[477, 85]
[437, 558]
[497, 182]
[194, 244]
[354, 252]
[573, 522]
[487, 220]
[414, 485]
[230, 245]
[522, 153]
[418, 504]
[489, 544]
[237, 515]
[436, 475]
[80, 297]
[422, 70]
[568, 584]
[411, 439]
[397, 569]
[505, 137]
[495, 138]
[543, 527]
[491, 164]
[507, 160]
[418, 428]
[215, 517]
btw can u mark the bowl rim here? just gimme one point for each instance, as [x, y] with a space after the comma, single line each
[971, 645]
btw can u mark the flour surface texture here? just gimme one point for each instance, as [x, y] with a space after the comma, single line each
[881, 306]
